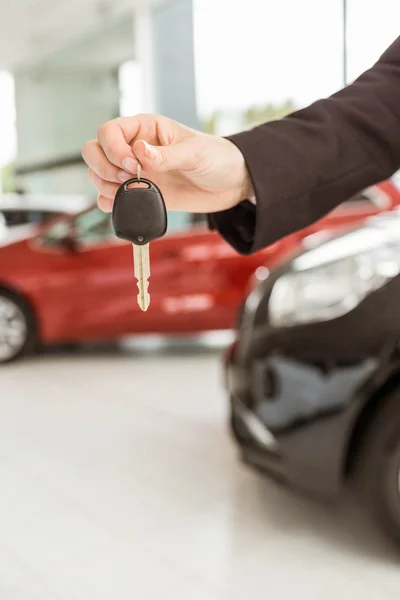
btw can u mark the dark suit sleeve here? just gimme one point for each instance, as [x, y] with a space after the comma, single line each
[311, 161]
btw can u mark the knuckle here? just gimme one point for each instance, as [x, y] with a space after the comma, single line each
[110, 172]
[162, 155]
[103, 130]
[101, 169]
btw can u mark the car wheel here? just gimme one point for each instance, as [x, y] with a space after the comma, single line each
[378, 467]
[238, 430]
[17, 327]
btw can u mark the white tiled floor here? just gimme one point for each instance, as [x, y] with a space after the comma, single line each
[118, 480]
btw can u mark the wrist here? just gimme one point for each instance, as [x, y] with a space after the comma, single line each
[245, 190]
[241, 187]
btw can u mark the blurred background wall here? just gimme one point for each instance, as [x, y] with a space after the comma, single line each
[215, 64]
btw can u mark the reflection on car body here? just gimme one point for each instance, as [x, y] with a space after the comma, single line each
[316, 365]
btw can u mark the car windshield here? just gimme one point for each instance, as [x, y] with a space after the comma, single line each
[89, 227]
[370, 198]
[14, 217]
[92, 226]
[396, 180]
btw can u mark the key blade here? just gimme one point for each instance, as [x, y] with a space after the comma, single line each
[141, 259]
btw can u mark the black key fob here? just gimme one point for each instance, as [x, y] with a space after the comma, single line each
[139, 214]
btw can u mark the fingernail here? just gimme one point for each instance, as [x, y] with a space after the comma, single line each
[124, 176]
[130, 164]
[148, 150]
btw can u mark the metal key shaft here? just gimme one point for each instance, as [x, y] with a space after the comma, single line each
[141, 260]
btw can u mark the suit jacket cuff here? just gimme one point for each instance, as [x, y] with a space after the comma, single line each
[237, 226]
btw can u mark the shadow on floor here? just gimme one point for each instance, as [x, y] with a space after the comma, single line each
[344, 523]
[345, 526]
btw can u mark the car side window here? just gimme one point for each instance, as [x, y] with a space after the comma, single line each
[88, 228]
[178, 221]
[370, 198]
[16, 217]
[358, 201]
[92, 227]
[183, 221]
[56, 232]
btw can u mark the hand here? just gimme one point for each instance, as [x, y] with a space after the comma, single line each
[196, 172]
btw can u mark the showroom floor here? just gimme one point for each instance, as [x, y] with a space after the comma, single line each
[118, 480]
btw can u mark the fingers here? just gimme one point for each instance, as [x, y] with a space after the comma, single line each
[112, 151]
[114, 137]
[104, 188]
[105, 204]
[114, 157]
[105, 177]
[181, 155]
[98, 162]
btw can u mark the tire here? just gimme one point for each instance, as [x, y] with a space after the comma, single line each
[237, 430]
[378, 467]
[17, 327]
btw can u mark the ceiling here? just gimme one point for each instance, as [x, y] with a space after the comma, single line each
[34, 29]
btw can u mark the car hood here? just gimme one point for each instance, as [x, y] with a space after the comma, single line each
[386, 224]
[372, 233]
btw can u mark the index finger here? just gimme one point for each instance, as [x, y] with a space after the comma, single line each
[115, 138]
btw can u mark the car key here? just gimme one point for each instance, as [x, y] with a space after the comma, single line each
[139, 216]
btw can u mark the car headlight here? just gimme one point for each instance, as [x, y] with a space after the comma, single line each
[331, 280]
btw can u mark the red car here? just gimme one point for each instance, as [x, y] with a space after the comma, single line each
[73, 279]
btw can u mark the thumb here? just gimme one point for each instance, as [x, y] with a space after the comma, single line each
[179, 155]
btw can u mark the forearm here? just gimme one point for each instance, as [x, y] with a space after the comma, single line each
[306, 164]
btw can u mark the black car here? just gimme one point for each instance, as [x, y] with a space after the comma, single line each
[314, 374]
